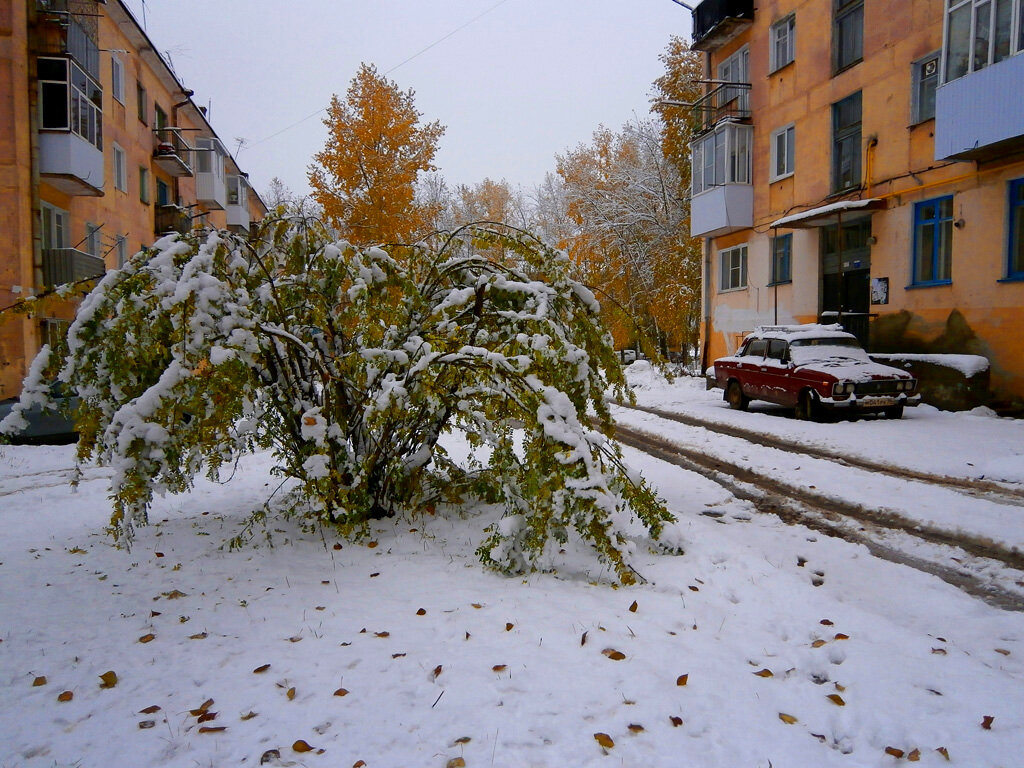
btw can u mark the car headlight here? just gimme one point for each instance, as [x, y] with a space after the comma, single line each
[843, 388]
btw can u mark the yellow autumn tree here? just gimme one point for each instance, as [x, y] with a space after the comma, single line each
[365, 177]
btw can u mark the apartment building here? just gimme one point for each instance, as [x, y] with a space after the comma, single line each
[862, 162]
[102, 151]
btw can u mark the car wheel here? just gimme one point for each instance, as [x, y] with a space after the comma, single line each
[734, 394]
[807, 408]
[894, 412]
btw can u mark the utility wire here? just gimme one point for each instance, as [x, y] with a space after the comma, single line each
[437, 42]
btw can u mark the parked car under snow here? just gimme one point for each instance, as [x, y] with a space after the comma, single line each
[43, 425]
[816, 369]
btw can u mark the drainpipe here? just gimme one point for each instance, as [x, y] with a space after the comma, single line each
[839, 251]
[704, 362]
[33, 130]
[775, 277]
[187, 93]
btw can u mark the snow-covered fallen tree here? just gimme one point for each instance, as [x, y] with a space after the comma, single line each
[350, 365]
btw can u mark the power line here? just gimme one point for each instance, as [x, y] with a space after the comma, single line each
[402, 63]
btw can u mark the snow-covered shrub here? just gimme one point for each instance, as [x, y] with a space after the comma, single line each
[350, 364]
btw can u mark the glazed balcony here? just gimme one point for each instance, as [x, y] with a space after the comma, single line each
[70, 164]
[716, 22]
[975, 119]
[69, 265]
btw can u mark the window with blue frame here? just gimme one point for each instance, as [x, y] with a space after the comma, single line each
[782, 253]
[1015, 263]
[933, 241]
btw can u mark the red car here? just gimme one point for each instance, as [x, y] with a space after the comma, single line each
[816, 369]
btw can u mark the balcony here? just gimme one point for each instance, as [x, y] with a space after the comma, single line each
[974, 117]
[70, 164]
[172, 154]
[726, 101]
[721, 210]
[237, 209]
[68, 265]
[722, 199]
[716, 22]
[211, 182]
[171, 218]
[69, 33]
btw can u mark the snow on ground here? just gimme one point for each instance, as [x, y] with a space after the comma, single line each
[763, 644]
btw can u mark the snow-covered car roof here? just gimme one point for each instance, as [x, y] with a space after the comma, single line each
[806, 331]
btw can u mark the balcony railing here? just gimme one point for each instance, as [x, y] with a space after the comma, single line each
[715, 21]
[172, 153]
[725, 101]
[171, 218]
[73, 36]
[69, 265]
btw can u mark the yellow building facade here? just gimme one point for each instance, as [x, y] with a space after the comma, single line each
[862, 162]
[102, 151]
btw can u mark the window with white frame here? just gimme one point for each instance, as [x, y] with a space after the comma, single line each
[735, 69]
[116, 78]
[144, 184]
[783, 153]
[782, 49]
[721, 157]
[733, 262]
[55, 226]
[122, 250]
[120, 169]
[933, 241]
[92, 238]
[980, 33]
[925, 77]
[70, 100]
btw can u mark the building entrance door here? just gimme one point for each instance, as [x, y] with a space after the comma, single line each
[846, 277]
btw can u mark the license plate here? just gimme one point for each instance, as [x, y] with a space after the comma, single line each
[878, 401]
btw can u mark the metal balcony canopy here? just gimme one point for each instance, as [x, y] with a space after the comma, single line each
[826, 215]
[717, 21]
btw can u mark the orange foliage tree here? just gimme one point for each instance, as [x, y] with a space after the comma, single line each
[365, 177]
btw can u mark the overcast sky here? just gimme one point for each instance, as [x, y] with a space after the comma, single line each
[514, 81]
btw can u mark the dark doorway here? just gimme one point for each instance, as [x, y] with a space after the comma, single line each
[846, 288]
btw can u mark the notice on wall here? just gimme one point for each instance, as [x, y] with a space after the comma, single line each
[879, 290]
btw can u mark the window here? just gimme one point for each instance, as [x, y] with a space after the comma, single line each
[736, 69]
[782, 252]
[70, 100]
[159, 120]
[142, 103]
[55, 227]
[144, 184]
[734, 268]
[121, 246]
[981, 32]
[783, 43]
[783, 153]
[847, 33]
[933, 241]
[238, 191]
[92, 239]
[120, 169]
[163, 193]
[722, 157]
[117, 78]
[846, 116]
[1015, 266]
[925, 77]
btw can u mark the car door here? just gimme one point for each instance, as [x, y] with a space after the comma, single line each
[776, 373]
[750, 368]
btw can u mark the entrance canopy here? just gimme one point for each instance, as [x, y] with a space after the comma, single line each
[827, 215]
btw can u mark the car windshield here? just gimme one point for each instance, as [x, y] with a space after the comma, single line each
[807, 351]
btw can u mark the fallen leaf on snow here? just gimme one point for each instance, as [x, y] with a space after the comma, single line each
[421, 612]
[841, 636]
[213, 728]
[198, 636]
[456, 762]
[462, 740]
[437, 671]
[986, 722]
[914, 755]
[261, 669]
[614, 655]
[109, 679]
[499, 668]
[149, 710]
[683, 679]
[787, 719]
[818, 643]
[633, 607]
[290, 693]
[202, 708]
[248, 715]
[764, 673]
[635, 728]
[174, 594]
[604, 740]
[897, 753]
[836, 699]
[944, 752]
[676, 721]
[1003, 651]
[65, 696]
[341, 692]
[41, 680]
[301, 746]
[147, 638]
[508, 626]
[382, 634]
